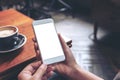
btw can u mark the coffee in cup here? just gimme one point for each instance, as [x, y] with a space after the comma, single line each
[6, 32]
[8, 35]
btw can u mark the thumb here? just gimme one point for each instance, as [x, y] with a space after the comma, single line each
[40, 72]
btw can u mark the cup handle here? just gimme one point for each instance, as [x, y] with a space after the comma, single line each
[15, 40]
[18, 41]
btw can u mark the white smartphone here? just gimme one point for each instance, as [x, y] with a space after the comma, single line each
[48, 41]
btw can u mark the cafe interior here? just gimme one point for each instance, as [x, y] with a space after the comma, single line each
[92, 25]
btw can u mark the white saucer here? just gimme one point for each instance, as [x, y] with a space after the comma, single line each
[21, 43]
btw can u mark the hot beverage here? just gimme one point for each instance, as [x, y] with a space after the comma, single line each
[6, 32]
[8, 36]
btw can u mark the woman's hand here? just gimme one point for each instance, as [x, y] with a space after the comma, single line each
[65, 67]
[68, 66]
[34, 71]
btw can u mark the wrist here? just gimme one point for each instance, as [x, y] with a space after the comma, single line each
[73, 71]
[80, 74]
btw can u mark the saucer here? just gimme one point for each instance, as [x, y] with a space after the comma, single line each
[22, 41]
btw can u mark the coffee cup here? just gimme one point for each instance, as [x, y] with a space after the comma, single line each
[8, 36]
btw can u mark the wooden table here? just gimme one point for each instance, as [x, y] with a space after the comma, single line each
[15, 61]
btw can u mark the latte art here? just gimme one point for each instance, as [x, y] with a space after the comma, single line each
[4, 33]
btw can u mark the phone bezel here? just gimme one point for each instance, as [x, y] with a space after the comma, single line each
[54, 59]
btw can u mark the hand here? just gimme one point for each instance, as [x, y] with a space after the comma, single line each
[35, 71]
[65, 67]
[68, 66]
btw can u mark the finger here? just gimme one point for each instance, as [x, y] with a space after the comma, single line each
[49, 68]
[50, 74]
[55, 66]
[38, 57]
[36, 46]
[64, 45]
[34, 39]
[31, 68]
[68, 53]
[44, 78]
[40, 71]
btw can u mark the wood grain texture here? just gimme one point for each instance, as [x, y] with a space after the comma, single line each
[27, 52]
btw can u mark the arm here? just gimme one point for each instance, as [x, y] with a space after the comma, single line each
[70, 68]
[81, 74]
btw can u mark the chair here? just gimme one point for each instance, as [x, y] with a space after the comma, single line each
[17, 4]
[9, 4]
[105, 15]
[51, 6]
[47, 6]
[66, 6]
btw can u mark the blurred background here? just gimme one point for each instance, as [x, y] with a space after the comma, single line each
[93, 26]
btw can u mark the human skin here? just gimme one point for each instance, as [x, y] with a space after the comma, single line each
[35, 71]
[68, 68]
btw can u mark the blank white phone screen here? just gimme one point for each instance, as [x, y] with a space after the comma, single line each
[48, 41]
